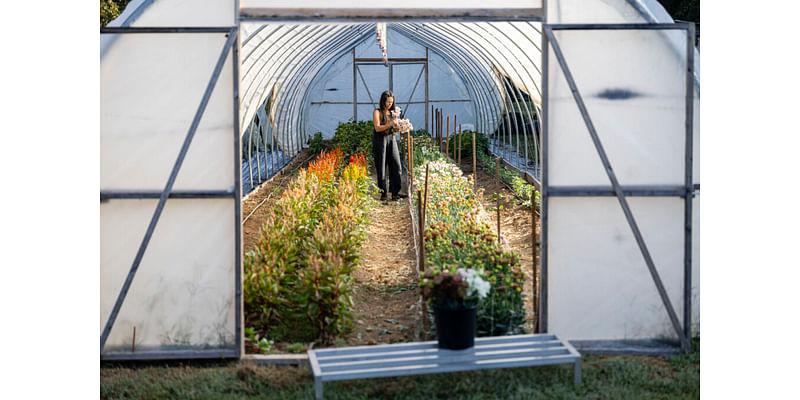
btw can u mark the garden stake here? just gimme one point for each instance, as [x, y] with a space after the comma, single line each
[455, 124]
[133, 342]
[498, 200]
[408, 153]
[447, 138]
[421, 235]
[459, 145]
[474, 165]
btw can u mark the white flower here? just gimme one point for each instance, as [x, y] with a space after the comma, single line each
[476, 283]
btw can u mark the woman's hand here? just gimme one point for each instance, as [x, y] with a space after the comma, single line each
[395, 123]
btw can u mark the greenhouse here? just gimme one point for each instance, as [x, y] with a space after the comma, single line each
[204, 102]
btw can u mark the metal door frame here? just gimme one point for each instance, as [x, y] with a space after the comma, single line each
[686, 191]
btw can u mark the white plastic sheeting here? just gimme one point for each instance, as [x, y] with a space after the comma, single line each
[183, 297]
[634, 85]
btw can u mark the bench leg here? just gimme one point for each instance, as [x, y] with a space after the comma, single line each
[318, 388]
[577, 369]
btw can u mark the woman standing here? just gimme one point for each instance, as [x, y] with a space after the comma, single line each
[384, 147]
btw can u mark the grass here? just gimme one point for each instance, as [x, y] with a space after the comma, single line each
[604, 377]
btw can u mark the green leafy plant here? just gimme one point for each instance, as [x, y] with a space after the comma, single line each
[257, 344]
[297, 284]
[316, 145]
[354, 137]
[297, 347]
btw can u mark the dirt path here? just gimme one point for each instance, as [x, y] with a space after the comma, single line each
[515, 228]
[384, 298]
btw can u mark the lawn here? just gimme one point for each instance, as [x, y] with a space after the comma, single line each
[604, 377]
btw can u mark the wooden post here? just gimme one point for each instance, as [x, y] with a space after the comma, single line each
[133, 342]
[497, 180]
[459, 145]
[474, 164]
[447, 138]
[455, 124]
[421, 229]
[409, 150]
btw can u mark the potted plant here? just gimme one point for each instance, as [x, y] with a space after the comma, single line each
[455, 295]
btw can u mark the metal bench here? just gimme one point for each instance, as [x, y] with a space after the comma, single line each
[417, 358]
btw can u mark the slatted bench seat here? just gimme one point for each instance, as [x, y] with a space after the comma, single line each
[417, 358]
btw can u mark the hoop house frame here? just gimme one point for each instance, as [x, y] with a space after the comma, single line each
[686, 191]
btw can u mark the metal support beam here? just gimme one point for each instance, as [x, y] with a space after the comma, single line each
[633, 190]
[389, 14]
[168, 188]
[689, 166]
[178, 194]
[613, 178]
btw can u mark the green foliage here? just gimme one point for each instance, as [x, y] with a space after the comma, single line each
[354, 137]
[257, 344]
[297, 284]
[686, 10]
[519, 186]
[316, 145]
[481, 144]
[454, 238]
[111, 9]
[297, 347]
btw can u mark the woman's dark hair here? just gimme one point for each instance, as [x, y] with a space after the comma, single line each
[386, 94]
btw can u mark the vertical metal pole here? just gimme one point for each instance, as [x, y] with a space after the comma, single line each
[355, 89]
[543, 310]
[237, 198]
[534, 263]
[427, 99]
[689, 166]
[497, 181]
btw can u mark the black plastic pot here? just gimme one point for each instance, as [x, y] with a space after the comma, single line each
[455, 328]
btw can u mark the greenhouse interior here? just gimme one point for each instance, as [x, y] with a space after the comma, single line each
[204, 102]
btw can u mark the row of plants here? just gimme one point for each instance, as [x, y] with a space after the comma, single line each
[462, 251]
[297, 284]
[516, 183]
[424, 147]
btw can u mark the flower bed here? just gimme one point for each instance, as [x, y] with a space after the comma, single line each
[296, 280]
[456, 238]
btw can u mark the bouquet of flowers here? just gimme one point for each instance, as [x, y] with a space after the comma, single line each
[462, 288]
[403, 125]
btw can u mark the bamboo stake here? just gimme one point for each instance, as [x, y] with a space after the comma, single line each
[133, 343]
[459, 145]
[421, 232]
[424, 213]
[474, 164]
[455, 124]
[447, 138]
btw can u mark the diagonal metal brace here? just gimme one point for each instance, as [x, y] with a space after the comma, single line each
[617, 189]
[168, 188]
